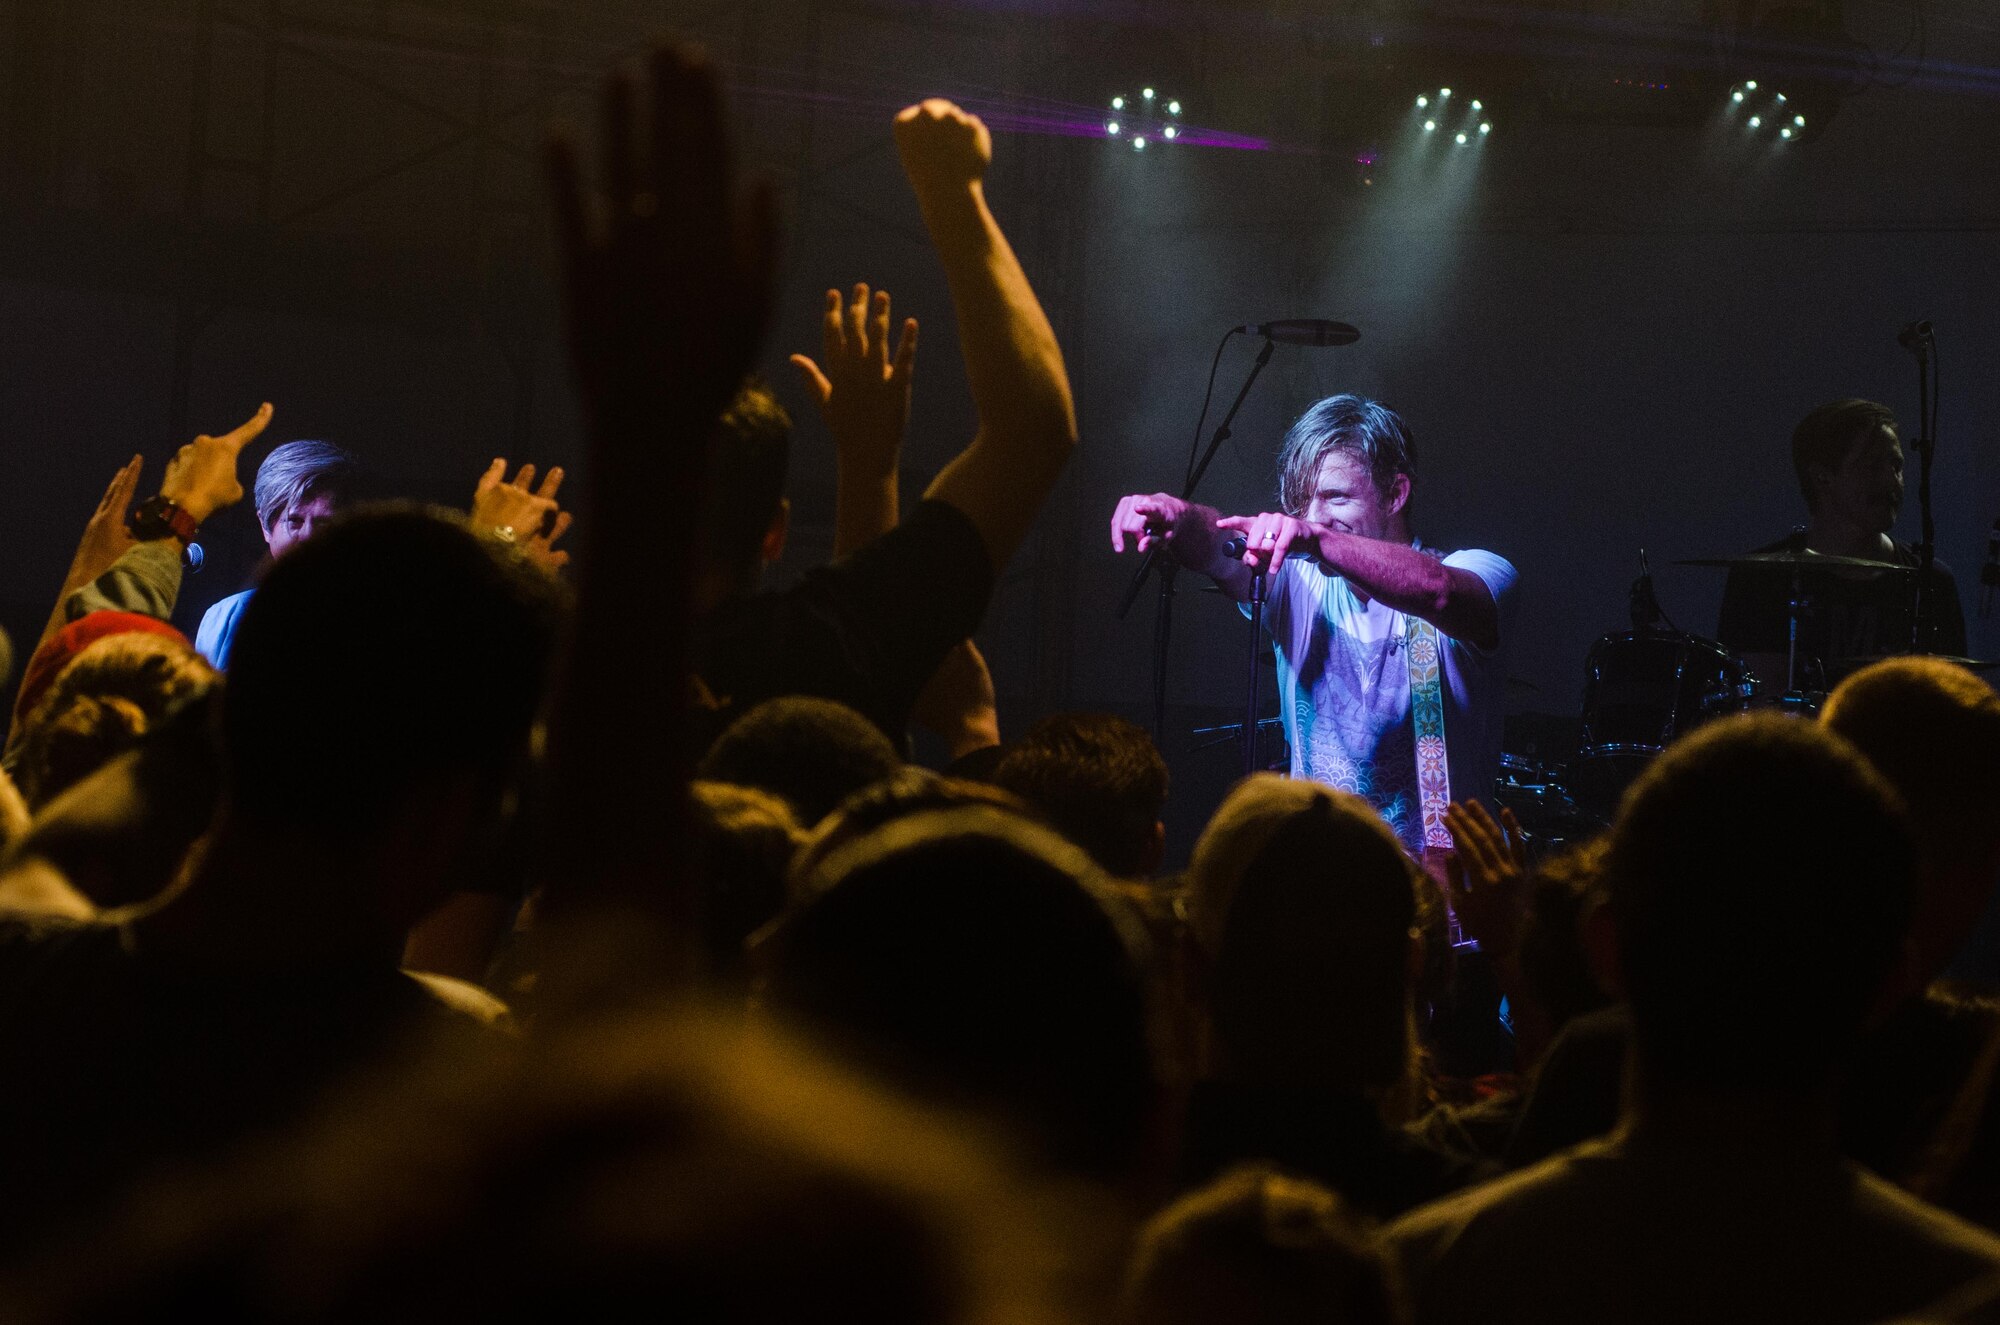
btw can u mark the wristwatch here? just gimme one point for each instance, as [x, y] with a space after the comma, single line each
[162, 517]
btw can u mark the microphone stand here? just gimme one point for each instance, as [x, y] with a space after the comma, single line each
[1250, 702]
[1163, 620]
[1921, 341]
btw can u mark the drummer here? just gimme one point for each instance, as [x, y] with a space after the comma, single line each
[1849, 461]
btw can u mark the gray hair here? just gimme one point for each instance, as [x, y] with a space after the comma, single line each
[295, 471]
[1369, 429]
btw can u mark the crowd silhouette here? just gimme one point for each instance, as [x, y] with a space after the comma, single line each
[494, 921]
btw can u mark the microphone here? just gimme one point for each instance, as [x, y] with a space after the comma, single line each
[1305, 331]
[1236, 545]
[1916, 337]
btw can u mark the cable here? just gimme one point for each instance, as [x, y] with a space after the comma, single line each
[1194, 447]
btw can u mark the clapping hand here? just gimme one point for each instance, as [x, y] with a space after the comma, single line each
[1488, 874]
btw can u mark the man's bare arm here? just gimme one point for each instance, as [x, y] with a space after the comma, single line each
[1456, 601]
[1190, 532]
[1027, 423]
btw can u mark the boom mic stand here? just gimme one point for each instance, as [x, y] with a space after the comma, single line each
[1919, 339]
[1168, 568]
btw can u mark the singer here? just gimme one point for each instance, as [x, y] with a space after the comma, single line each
[1349, 619]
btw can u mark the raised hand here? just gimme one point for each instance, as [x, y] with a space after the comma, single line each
[105, 535]
[863, 394]
[1488, 874]
[864, 397]
[201, 478]
[520, 513]
[942, 147]
[668, 282]
[1267, 538]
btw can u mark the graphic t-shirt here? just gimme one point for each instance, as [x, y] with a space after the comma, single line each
[1344, 690]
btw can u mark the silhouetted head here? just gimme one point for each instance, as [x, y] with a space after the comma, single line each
[909, 790]
[1761, 878]
[967, 955]
[746, 515]
[649, 1167]
[742, 841]
[1100, 781]
[103, 703]
[811, 753]
[1932, 729]
[390, 667]
[1305, 905]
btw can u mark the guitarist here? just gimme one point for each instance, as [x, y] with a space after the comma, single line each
[1390, 670]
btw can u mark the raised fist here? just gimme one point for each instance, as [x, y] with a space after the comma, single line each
[941, 145]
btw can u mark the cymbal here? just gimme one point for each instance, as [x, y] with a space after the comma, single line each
[1789, 560]
[1855, 664]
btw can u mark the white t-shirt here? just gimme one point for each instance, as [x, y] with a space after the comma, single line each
[1344, 690]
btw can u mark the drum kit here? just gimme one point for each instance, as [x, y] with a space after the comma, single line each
[1646, 687]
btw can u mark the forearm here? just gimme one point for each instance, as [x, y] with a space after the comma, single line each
[1013, 365]
[865, 507]
[145, 579]
[1456, 601]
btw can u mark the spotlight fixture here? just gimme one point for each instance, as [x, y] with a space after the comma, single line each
[1459, 117]
[1769, 115]
[1148, 117]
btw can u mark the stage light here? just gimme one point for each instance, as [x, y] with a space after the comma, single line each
[1785, 133]
[1750, 86]
[1756, 121]
[1736, 96]
[1146, 118]
[1452, 115]
[1799, 120]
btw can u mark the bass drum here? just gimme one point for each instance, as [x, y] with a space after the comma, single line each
[1640, 691]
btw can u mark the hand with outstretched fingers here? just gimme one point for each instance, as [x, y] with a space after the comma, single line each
[667, 274]
[863, 392]
[520, 513]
